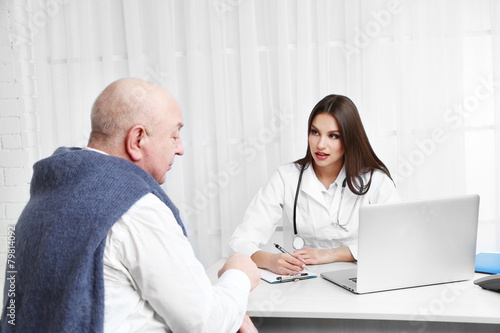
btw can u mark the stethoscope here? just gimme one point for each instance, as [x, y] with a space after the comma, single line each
[298, 242]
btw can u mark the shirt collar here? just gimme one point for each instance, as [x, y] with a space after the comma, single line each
[93, 149]
[313, 187]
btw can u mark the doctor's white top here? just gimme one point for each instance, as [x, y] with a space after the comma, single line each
[317, 209]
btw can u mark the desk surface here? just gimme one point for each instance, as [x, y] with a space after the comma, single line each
[458, 302]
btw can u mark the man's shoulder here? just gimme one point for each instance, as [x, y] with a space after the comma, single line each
[150, 200]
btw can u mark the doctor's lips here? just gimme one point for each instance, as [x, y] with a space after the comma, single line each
[321, 156]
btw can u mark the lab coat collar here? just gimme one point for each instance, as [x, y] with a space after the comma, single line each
[313, 187]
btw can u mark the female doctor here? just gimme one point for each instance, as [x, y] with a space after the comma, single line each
[318, 196]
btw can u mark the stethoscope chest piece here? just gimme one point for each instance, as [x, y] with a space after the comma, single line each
[298, 243]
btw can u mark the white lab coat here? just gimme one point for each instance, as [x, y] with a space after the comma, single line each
[317, 210]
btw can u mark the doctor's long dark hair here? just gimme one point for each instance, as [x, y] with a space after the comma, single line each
[359, 157]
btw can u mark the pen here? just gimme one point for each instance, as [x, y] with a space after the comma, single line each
[282, 249]
[285, 251]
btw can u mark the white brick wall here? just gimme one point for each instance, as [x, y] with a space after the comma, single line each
[18, 118]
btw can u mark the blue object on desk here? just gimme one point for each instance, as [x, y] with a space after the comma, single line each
[488, 263]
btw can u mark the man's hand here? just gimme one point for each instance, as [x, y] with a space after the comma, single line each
[246, 265]
[247, 326]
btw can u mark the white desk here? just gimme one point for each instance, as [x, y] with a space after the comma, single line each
[317, 305]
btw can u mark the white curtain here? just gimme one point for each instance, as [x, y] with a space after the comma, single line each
[424, 74]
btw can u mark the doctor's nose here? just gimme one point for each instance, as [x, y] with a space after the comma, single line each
[321, 143]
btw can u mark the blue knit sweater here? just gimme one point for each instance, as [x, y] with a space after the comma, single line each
[76, 197]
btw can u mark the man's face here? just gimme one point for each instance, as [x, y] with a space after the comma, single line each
[165, 141]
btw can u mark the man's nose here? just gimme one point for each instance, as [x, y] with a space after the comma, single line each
[179, 148]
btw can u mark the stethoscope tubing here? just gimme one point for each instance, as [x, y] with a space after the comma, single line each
[344, 183]
[295, 201]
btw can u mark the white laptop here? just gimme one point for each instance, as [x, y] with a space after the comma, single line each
[410, 244]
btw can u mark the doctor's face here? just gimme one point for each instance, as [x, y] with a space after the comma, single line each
[325, 143]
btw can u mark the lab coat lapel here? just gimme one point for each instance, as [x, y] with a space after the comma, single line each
[348, 209]
[311, 186]
[336, 199]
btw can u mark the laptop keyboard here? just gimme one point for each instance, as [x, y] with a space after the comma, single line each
[354, 279]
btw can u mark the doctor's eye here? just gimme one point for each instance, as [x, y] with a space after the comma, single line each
[313, 131]
[334, 136]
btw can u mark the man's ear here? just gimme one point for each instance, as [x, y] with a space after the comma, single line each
[134, 142]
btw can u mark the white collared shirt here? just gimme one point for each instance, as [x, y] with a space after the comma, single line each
[318, 215]
[154, 283]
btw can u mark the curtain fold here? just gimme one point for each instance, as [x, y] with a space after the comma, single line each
[425, 76]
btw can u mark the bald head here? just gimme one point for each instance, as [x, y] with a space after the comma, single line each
[138, 121]
[123, 104]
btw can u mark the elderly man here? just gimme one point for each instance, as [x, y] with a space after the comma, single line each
[100, 246]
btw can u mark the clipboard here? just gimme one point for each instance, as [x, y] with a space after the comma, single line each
[273, 278]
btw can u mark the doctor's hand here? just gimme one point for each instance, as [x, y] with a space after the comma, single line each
[279, 263]
[313, 256]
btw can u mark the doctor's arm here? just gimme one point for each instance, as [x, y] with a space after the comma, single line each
[314, 256]
[259, 223]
